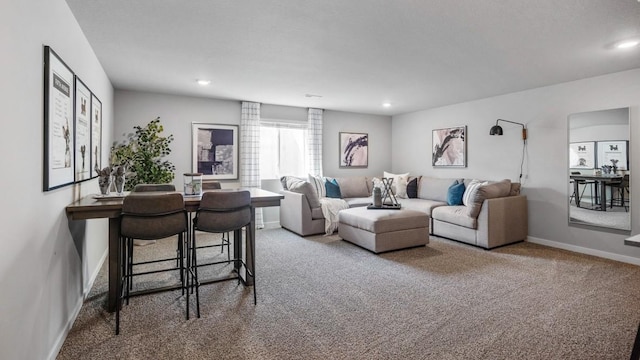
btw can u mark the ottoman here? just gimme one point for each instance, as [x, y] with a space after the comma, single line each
[383, 230]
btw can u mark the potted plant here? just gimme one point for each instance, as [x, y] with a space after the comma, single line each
[140, 158]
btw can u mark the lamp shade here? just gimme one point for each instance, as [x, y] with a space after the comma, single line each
[495, 130]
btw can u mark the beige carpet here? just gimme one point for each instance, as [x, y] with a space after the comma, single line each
[323, 298]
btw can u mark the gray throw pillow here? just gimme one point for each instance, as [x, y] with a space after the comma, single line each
[304, 187]
[486, 191]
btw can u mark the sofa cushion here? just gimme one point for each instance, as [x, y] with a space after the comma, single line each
[487, 191]
[358, 201]
[303, 187]
[333, 189]
[470, 191]
[457, 215]
[515, 189]
[412, 188]
[353, 186]
[434, 188]
[383, 221]
[284, 179]
[425, 206]
[318, 184]
[455, 192]
[399, 184]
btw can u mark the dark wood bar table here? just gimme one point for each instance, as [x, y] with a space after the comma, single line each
[91, 208]
[602, 180]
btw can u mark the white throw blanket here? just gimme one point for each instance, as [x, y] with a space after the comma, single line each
[330, 209]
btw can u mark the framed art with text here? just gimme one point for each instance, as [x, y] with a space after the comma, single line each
[58, 122]
[449, 147]
[96, 135]
[215, 150]
[610, 152]
[354, 150]
[582, 155]
[82, 124]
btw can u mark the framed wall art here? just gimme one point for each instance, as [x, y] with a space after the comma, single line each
[582, 155]
[354, 150]
[82, 124]
[96, 134]
[613, 150]
[215, 150]
[449, 147]
[59, 91]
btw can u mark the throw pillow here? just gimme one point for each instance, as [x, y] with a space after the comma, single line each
[305, 188]
[399, 184]
[470, 191]
[487, 191]
[455, 193]
[412, 188]
[333, 189]
[318, 184]
[515, 189]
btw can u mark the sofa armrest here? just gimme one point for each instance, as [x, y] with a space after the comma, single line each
[503, 221]
[295, 214]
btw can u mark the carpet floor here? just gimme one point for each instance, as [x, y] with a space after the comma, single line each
[323, 298]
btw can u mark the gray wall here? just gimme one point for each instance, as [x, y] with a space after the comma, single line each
[44, 271]
[178, 112]
[544, 111]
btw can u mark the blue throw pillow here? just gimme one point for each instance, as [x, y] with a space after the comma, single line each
[333, 189]
[455, 193]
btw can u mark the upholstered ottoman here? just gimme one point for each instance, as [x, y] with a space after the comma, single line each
[383, 230]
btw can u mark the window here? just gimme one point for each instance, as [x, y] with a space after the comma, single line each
[283, 149]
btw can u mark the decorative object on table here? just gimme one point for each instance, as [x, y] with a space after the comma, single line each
[449, 147]
[104, 180]
[582, 155]
[614, 166]
[215, 151]
[119, 178]
[613, 150]
[388, 199]
[192, 184]
[141, 155]
[606, 169]
[59, 90]
[354, 150]
[377, 197]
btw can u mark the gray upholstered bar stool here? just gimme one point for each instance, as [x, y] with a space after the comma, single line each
[149, 216]
[220, 212]
[224, 240]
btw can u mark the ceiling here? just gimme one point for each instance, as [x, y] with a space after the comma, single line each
[357, 54]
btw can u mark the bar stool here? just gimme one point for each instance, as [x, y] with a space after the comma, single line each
[220, 212]
[215, 185]
[618, 190]
[585, 183]
[147, 216]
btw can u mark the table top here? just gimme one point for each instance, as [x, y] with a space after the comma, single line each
[94, 206]
[603, 177]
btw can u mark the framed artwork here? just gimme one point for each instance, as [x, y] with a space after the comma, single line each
[82, 124]
[354, 150]
[96, 135]
[582, 155]
[449, 146]
[613, 150]
[58, 122]
[215, 150]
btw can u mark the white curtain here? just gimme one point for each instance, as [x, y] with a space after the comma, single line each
[314, 141]
[250, 151]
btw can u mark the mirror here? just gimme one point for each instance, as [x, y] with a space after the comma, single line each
[599, 193]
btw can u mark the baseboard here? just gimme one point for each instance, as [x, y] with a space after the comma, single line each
[584, 250]
[76, 310]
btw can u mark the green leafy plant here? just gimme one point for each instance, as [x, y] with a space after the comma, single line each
[142, 153]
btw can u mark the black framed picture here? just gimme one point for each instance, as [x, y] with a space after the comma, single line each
[449, 147]
[215, 150]
[82, 124]
[59, 130]
[96, 135]
[354, 150]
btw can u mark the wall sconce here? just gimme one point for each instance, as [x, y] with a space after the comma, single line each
[497, 129]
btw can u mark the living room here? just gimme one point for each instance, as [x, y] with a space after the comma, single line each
[51, 274]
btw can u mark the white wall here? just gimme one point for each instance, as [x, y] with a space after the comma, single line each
[44, 271]
[178, 112]
[544, 111]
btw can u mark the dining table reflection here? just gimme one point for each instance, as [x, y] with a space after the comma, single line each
[601, 191]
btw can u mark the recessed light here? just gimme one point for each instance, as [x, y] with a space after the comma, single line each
[387, 105]
[204, 82]
[627, 44]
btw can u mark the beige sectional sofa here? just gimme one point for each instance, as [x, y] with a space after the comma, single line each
[496, 215]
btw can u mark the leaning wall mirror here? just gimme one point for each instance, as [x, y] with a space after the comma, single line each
[598, 192]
